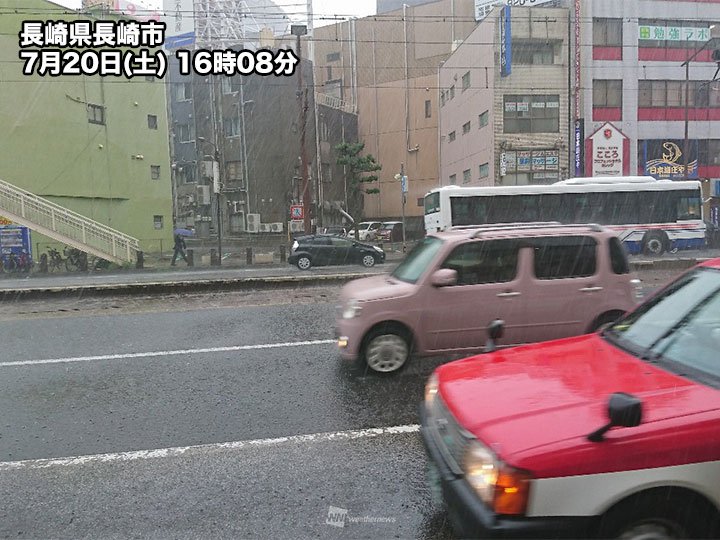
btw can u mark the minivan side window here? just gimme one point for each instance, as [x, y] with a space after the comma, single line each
[491, 261]
[618, 260]
[565, 257]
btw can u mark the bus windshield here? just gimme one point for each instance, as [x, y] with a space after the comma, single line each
[432, 203]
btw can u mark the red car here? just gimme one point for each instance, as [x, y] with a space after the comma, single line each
[614, 434]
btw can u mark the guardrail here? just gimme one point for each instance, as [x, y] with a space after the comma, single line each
[66, 226]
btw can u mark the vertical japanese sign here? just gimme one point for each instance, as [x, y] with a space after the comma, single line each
[579, 147]
[577, 59]
[505, 42]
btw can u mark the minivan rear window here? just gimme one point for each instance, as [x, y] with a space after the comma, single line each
[565, 257]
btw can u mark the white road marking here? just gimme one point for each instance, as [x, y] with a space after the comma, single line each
[181, 450]
[124, 356]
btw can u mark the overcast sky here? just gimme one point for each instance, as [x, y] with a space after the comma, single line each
[357, 8]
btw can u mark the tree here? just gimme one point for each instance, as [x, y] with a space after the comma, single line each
[358, 173]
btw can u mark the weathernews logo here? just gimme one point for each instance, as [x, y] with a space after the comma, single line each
[338, 517]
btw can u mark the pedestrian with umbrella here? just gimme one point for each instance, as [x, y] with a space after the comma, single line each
[179, 248]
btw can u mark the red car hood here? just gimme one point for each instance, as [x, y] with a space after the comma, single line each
[534, 405]
[375, 288]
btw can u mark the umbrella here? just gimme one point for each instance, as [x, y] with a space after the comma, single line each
[185, 232]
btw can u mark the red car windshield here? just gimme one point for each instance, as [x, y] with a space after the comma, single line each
[680, 327]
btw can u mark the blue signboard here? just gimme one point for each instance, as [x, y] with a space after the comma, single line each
[181, 40]
[16, 240]
[505, 42]
[665, 160]
[579, 147]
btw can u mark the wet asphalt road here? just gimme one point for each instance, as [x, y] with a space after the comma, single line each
[153, 376]
[119, 403]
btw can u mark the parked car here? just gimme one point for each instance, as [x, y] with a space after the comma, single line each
[320, 250]
[608, 435]
[367, 230]
[545, 281]
[391, 231]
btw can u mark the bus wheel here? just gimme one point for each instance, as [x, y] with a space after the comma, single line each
[654, 244]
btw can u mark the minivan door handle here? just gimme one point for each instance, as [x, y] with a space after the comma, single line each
[508, 294]
[591, 289]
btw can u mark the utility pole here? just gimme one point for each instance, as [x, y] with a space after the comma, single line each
[300, 30]
[403, 192]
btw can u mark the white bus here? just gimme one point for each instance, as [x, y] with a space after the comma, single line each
[649, 216]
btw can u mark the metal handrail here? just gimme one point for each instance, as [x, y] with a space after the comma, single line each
[65, 225]
[335, 103]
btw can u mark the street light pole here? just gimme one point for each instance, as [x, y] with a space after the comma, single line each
[300, 30]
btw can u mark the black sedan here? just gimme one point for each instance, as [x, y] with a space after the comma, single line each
[320, 250]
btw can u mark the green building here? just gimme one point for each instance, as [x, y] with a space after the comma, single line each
[98, 146]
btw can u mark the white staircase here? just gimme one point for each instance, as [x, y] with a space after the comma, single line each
[63, 225]
[335, 103]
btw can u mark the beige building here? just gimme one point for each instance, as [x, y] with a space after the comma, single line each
[385, 67]
[514, 129]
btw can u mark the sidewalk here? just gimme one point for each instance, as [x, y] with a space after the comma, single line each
[158, 277]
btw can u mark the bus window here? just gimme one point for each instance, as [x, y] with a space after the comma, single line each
[529, 210]
[550, 207]
[688, 206]
[621, 208]
[469, 210]
[501, 209]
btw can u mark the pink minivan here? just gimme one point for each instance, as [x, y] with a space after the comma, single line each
[545, 281]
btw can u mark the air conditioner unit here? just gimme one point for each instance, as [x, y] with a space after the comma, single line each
[206, 169]
[265, 227]
[276, 227]
[296, 226]
[203, 194]
[253, 219]
[253, 227]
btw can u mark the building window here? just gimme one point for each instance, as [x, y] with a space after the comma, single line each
[533, 53]
[451, 136]
[324, 131]
[660, 94]
[158, 222]
[185, 174]
[232, 126]
[453, 179]
[483, 119]
[155, 172]
[531, 114]
[428, 109]
[452, 92]
[186, 132]
[333, 57]
[606, 33]
[421, 202]
[152, 121]
[183, 91]
[607, 93]
[333, 88]
[466, 128]
[329, 73]
[466, 81]
[484, 170]
[466, 176]
[234, 172]
[442, 98]
[96, 114]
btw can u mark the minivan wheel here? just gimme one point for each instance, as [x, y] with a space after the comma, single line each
[368, 261]
[304, 263]
[386, 352]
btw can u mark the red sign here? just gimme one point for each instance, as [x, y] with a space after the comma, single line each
[296, 212]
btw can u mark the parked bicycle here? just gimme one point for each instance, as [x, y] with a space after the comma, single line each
[55, 262]
[76, 260]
